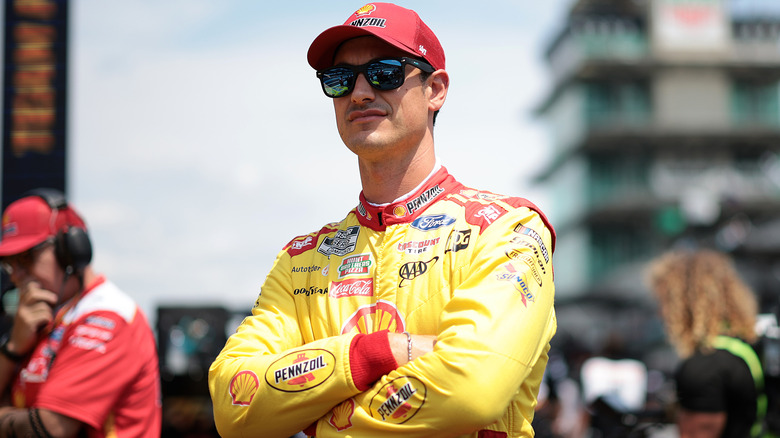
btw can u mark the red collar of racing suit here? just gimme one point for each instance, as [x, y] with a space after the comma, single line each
[410, 207]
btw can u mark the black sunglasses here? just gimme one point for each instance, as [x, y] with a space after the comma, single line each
[382, 74]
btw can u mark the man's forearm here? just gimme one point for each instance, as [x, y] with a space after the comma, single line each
[8, 370]
[36, 423]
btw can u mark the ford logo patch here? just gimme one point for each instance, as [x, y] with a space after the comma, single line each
[432, 222]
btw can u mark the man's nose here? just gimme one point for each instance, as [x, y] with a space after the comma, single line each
[363, 91]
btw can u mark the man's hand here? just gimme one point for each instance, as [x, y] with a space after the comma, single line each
[35, 311]
[421, 344]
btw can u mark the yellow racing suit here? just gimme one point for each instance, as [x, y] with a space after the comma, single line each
[471, 267]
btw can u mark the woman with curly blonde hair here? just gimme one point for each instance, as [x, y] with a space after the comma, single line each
[703, 301]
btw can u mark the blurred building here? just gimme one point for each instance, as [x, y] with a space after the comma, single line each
[665, 124]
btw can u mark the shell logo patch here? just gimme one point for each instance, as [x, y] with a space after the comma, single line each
[382, 315]
[301, 370]
[365, 10]
[399, 400]
[243, 387]
[341, 418]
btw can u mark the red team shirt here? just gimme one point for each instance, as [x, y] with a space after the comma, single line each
[99, 366]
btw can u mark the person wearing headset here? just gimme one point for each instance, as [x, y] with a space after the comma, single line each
[80, 358]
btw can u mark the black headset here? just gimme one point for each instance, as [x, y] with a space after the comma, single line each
[72, 246]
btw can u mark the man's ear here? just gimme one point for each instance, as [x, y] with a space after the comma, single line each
[439, 83]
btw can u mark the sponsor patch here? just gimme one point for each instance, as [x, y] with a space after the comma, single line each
[382, 315]
[301, 370]
[489, 214]
[305, 269]
[341, 244]
[100, 321]
[432, 222]
[355, 265]
[341, 417]
[418, 247]
[369, 22]
[243, 388]
[93, 332]
[532, 247]
[520, 229]
[518, 281]
[365, 10]
[88, 343]
[300, 244]
[458, 240]
[410, 271]
[399, 400]
[425, 198]
[10, 229]
[359, 287]
[311, 290]
[515, 254]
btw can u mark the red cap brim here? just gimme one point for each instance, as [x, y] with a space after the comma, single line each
[323, 48]
[19, 244]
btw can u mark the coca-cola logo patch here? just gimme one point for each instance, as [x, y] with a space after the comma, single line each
[362, 287]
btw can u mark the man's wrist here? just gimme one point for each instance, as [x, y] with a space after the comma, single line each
[11, 355]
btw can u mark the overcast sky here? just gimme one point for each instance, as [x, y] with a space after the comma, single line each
[200, 141]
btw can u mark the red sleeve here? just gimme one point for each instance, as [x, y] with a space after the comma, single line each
[370, 358]
[97, 361]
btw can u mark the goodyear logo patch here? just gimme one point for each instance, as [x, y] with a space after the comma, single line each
[399, 400]
[301, 370]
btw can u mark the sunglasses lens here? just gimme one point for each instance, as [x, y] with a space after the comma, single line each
[337, 81]
[386, 74]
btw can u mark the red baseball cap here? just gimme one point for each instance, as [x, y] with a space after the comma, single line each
[393, 24]
[30, 221]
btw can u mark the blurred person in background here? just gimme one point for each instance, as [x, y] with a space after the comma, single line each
[428, 310]
[709, 314]
[80, 358]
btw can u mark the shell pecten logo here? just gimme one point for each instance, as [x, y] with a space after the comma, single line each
[382, 315]
[365, 10]
[301, 370]
[243, 388]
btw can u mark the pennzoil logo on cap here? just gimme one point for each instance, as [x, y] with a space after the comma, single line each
[363, 21]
